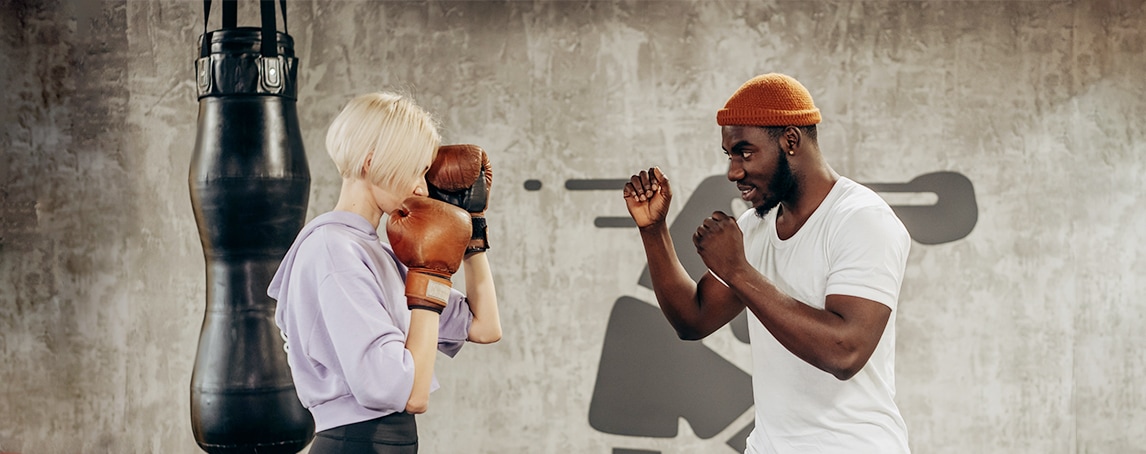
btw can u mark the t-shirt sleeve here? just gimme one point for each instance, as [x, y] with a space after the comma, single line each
[454, 325]
[868, 255]
[366, 341]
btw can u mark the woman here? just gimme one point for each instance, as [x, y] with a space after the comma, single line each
[361, 360]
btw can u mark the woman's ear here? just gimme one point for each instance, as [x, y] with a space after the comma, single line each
[366, 165]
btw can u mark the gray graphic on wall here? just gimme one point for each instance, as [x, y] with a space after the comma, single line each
[648, 378]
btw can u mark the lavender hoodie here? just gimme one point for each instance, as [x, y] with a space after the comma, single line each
[342, 312]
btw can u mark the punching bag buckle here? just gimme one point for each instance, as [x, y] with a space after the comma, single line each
[203, 68]
[271, 69]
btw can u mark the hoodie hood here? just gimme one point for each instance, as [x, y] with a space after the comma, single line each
[341, 218]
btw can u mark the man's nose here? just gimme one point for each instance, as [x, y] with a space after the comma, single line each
[735, 170]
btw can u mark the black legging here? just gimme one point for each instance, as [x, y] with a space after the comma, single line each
[395, 433]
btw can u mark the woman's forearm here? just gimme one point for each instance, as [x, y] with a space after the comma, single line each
[482, 296]
[422, 342]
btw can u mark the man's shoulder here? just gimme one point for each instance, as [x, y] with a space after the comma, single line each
[855, 196]
[861, 208]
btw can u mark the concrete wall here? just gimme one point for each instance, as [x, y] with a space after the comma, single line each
[1027, 335]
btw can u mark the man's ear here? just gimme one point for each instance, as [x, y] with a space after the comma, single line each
[790, 139]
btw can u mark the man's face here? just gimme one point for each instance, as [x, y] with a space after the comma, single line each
[759, 167]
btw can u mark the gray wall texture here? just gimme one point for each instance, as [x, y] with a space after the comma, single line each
[1025, 336]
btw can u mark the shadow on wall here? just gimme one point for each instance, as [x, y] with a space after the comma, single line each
[648, 378]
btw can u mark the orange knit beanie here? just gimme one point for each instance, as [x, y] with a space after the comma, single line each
[769, 100]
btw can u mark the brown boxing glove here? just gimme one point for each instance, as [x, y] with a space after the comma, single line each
[430, 238]
[461, 175]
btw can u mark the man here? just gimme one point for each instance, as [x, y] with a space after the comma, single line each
[818, 261]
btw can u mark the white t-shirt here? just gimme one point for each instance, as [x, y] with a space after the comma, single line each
[853, 244]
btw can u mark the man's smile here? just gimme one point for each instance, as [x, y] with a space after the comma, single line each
[746, 191]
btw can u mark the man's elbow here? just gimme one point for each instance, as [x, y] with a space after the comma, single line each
[846, 373]
[847, 367]
[692, 329]
[689, 333]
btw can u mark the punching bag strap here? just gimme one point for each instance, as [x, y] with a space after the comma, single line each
[270, 39]
[272, 66]
[230, 13]
[282, 4]
[204, 49]
[230, 20]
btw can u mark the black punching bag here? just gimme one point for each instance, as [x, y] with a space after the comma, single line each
[249, 184]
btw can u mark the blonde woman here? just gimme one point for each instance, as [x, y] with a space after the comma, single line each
[361, 354]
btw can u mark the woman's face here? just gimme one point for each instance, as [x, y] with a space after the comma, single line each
[420, 188]
[388, 199]
[420, 182]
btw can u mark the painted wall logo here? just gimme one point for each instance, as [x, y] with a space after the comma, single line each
[648, 379]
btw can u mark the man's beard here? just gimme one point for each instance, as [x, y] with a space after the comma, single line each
[782, 187]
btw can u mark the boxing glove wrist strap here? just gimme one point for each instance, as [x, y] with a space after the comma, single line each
[426, 290]
[411, 305]
[479, 240]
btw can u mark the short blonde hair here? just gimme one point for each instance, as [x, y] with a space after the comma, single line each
[398, 137]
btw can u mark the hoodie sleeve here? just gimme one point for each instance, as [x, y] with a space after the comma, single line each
[454, 326]
[366, 341]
